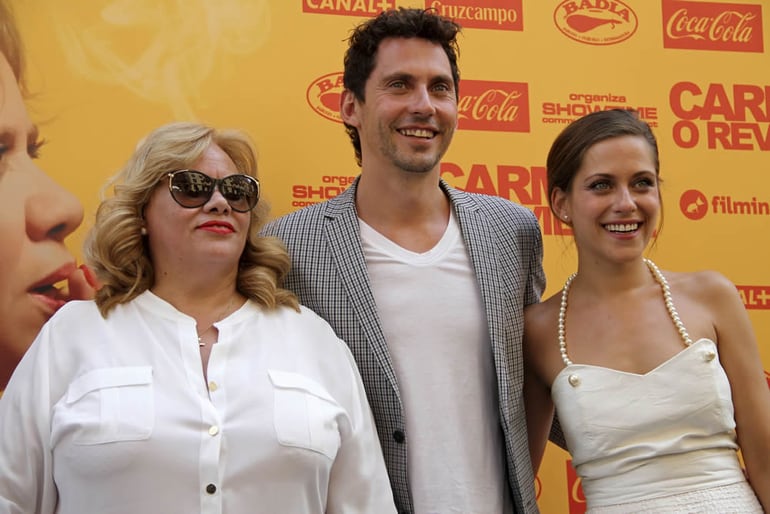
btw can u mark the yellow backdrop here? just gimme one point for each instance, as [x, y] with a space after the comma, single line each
[106, 72]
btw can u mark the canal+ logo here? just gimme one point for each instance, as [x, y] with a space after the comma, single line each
[694, 204]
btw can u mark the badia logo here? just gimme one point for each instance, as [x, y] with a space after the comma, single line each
[323, 96]
[712, 26]
[596, 22]
[348, 7]
[693, 204]
[481, 14]
[495, 106]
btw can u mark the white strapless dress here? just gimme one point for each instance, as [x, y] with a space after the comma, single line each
[662, 442]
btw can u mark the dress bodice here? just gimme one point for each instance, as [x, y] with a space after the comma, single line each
[654, 442]
[636, 436]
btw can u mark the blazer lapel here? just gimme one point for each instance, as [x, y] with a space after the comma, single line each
[342, 232]
[481, 243]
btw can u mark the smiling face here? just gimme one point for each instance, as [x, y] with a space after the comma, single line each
[409, 114]
[188, 242]
[613, 204]
[36, 216]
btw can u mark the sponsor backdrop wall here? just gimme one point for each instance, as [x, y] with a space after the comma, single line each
[105, 72]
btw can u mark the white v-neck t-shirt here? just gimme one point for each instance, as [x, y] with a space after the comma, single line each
[432, 316]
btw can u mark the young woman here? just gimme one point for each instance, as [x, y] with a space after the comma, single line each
[655, 376]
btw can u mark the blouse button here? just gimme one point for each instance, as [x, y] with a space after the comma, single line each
[709, 355]
[574, 380]
[211, 488]
[398, 436]
[214, 430]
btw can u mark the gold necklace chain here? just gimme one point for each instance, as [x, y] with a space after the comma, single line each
[659, 278]
[223, 315]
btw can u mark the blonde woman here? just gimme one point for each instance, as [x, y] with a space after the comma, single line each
[192, 383]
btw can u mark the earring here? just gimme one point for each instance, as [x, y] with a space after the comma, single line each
[143, 231]
[566, 218]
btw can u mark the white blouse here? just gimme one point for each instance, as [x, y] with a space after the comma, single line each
[113, 416]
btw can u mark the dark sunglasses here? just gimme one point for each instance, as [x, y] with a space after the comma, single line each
[192, 189]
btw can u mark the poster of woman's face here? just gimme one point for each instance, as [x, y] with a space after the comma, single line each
[37, 272]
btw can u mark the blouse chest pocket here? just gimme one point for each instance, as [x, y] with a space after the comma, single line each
[305, 414]
[107, 405]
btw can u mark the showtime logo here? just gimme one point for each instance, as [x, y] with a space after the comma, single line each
[579, 104]
[348, 7]
[481, 14]
[712, 26]
[309, 194]
[495, 106]
[695, 205]
[596, 22]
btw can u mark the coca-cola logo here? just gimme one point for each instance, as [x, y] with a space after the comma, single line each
[712, 26]
[495, 106]
[323, 96]
[596, 22]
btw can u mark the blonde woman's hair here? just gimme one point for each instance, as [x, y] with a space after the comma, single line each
[116, 248]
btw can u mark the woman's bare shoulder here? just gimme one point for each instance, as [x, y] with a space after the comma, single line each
[542, 318]
[703, 284]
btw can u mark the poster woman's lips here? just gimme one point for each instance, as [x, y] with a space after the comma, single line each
[46, 292]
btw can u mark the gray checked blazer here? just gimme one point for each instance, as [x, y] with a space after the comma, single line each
[329, 275]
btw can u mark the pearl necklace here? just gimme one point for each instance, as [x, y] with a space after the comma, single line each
[659, 278]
